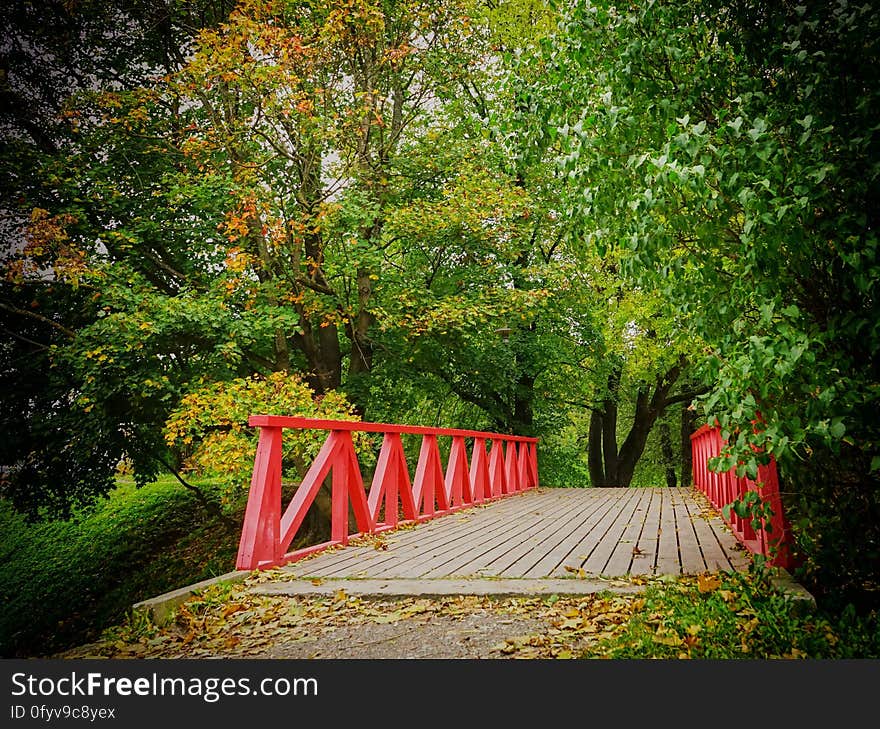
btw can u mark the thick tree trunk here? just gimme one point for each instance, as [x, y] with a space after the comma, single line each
[594, 450]
[609, 466]
[634, 444]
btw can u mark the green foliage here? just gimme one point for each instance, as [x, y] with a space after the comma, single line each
[735, 616]
[727, 152]
[64, 581]
[210, 425]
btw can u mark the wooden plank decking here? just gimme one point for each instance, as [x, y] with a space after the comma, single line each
[549, 533]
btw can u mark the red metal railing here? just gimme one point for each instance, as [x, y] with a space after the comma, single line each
[510, 466]
[724, 488]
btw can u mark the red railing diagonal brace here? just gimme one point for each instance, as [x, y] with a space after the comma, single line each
[479, 475]
[267, 533]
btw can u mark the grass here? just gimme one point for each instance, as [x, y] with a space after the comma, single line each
[61, 583]
[738, 616]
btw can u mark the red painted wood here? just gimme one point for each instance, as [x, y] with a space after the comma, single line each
[497, 481]
[724, 488]
[511, 474]
[479, 475]
[457, 484]
[533, 464]
[283, 421]
[267, 533]
[522, 468]
[429, 491]
[308, 489]
[259, 536]
[391, 486]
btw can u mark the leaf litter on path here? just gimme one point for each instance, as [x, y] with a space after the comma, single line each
[238, 623]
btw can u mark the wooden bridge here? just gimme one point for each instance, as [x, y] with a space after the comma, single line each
[497, 523]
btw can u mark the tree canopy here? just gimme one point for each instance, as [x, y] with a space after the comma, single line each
[598, 223]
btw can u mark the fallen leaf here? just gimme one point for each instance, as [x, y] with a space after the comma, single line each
[664, 638]
[708, 583]
[317, 581]
[233, 608]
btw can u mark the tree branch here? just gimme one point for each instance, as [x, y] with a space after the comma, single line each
[39, 317]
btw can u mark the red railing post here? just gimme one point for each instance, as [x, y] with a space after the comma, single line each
[260, 540]
[428, 484]
[267, 533]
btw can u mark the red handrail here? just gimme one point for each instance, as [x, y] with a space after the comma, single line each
[510, 467]
[724, 488]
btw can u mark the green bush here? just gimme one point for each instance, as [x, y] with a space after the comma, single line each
[61, 582]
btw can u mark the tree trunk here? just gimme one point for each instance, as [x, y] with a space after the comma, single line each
[594, 450]
[688, 417]
[668, 454]
[634, 444]
[607, 465]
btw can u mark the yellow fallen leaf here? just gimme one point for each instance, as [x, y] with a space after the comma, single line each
[708, 583]
[233, 608]
[664, 638]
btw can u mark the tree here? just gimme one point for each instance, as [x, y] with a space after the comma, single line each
[730, 150]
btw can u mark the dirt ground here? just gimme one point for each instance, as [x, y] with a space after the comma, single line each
[467, 636]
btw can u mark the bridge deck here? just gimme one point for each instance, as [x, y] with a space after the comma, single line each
[549, 533]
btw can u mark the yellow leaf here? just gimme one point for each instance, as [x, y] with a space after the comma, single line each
[708, 583]
[664, 638]
[232, 608]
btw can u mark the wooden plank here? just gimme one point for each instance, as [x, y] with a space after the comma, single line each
[597, 559]
[604, 501]
[645, 549]
[391, 559]
[622, 555]
[713, 554]
[421, 536]
[476, 540]
[590, 542]
[517, 561]
[476, 547]
[692, 561]
[552, 553]
[668, 560]
[467, 560]
[585, 504]
[737, 555]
